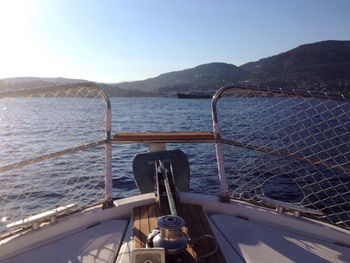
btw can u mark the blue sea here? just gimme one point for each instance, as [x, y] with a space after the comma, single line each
[31, 127]
[37, 126]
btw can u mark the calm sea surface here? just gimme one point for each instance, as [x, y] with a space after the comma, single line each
[38, 126]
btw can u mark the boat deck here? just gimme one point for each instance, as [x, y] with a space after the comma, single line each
[245, 234]
[197, 226]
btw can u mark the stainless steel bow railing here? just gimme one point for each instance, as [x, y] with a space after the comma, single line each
[68, 134]
[289, 145]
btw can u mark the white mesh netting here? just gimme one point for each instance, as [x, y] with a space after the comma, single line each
[289, 146]
[52, 150]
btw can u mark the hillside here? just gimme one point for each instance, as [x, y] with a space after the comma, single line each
[35, 82]
[201, 78]
[115, 91]
[321, 66]
[60, 80]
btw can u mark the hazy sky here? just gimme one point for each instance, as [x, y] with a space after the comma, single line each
[113, 41]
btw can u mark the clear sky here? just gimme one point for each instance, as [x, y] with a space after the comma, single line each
[113, 41]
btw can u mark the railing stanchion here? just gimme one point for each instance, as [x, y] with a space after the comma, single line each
[224, 195]
[108, 157]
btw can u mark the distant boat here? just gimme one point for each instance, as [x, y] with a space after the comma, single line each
[194, 96]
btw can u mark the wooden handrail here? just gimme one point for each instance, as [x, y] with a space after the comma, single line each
[162, 137]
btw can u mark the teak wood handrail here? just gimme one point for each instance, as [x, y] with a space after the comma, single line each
[162, 137]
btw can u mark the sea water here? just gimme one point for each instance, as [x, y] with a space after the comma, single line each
[39, 126]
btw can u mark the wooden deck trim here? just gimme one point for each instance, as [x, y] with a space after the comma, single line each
[163, 137]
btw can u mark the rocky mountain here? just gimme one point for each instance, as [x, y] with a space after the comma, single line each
[321, 66]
